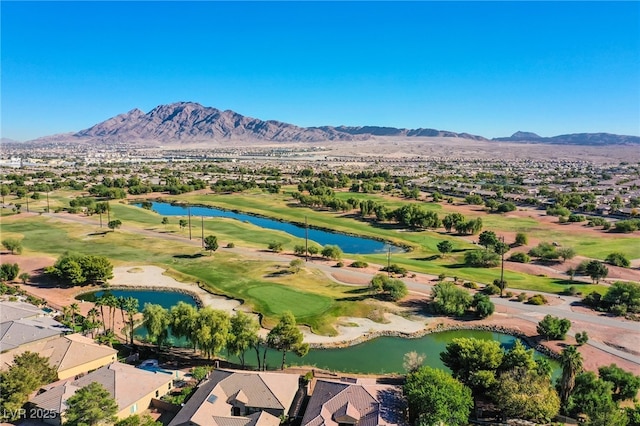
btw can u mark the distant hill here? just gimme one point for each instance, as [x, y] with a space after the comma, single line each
[593, 139]
[190, 122]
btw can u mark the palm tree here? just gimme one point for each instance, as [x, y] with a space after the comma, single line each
[74, 310]
[66, 313]
[120, 303]
[100, 302]
[91, 320]
[131, 306]
[571, 361]
[112, 302]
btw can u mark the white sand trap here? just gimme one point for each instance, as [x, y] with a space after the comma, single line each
[152, 276]
[359, 327]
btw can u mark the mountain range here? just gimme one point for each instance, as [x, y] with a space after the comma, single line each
[189, 122]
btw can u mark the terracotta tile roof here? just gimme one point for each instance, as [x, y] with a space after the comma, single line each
[364, 404]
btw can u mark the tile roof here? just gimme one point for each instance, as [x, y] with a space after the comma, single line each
[19, 332]
[212, 401]
[124, 382]
[64, 352]
[10, 311]
[366, 404]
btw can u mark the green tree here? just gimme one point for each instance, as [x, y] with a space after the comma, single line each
[183, 223]
[483, 305]
[571, 362]
[9, 271]
[445, 247]
[102, 208]
[581, 338]
[286, 336]
[13, 245]
[114, 224]
[395, 289]
[275, 246]
[434, 397]
[596, 270]
[332, 252]
[523, 394]
[299, 250]
[24, 277]
[130, 305]
[90, 405]
[487, 239]
[243, 334]
[566, 253]
[481, 258]
[156, 320]
[96, 269]
[296, 265]
[165, 222]
[211, 243]
[553, 328]
[313, 250]
[623, 294]
[521, 239]
[449, 299]
[184, 322]
[474, 362]
[451, 220]
[212, 330]
[615, 259]
[136, 420]
[594, 398]
[625, 384]
[28, 372]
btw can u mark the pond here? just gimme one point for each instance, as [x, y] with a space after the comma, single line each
[378, 356]
[166, 299]
[348, 243]
[384, 354]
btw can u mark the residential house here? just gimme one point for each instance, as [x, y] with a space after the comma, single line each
[240, 398]
[70, 355]
[22, 323]
[353, 402]
[131, 387]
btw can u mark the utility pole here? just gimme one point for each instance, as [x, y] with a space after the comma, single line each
[189, 208]
[306, 240]
[108, 212]
[202, 230]
[502, 264]
[48, 209]
[27, 198]
[389, 262]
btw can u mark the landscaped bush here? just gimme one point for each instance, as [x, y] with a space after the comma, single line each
[472, 285]
[359, 264]
[522, 297]
[395, 269]
[520, 257]
[230, 245]
[339, 264]
[491, 289]
[618, 259]
[577, 218]
[509, 294]
[481, 258]
[537, 299]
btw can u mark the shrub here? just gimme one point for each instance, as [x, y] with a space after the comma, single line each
[520, 257]
[230, 245]
[442, 277]
[275, 246]
[577, 218]
[491, 289]
[522, 297]
[618, 259]
[521, 239]
[339, 264]
[471, 285]
[509, 294]
[537, 299]
[481, 258]
[395, 269]
[359, 264]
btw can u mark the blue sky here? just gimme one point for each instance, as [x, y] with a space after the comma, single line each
[488, 68]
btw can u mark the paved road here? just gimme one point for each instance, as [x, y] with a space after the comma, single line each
[531, 313]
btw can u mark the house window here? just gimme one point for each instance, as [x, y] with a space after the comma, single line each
[134, 408]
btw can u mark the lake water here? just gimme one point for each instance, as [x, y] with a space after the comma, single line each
[377, 356]
[348, 243]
